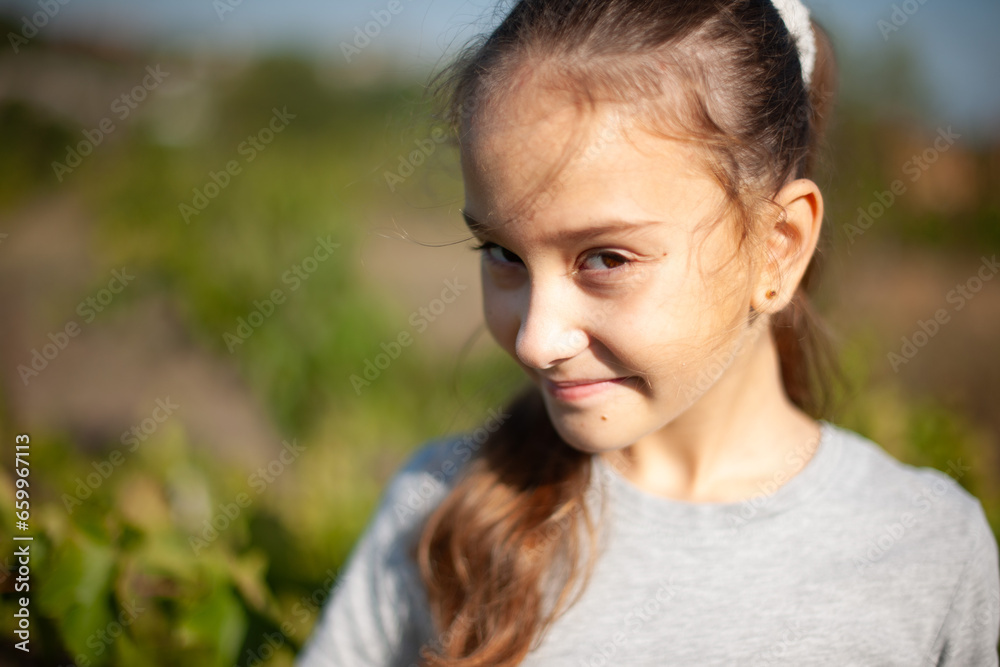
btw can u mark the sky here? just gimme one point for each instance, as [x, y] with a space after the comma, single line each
[956, 51]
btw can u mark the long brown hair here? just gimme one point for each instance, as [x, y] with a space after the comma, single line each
[516, 524]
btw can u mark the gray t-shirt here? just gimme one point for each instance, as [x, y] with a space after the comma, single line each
[858, 559]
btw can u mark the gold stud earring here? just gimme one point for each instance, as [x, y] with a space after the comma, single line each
[771, 294]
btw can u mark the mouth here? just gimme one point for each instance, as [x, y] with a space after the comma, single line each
[575, 390]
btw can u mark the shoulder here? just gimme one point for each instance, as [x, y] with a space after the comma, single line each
[377, 613]
[871, 473]
[423, 481]
[899, 502]
[918, 540]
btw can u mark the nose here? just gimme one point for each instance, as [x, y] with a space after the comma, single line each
[549, 332]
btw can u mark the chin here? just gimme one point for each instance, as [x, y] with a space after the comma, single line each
[607, 426]
[589, 433]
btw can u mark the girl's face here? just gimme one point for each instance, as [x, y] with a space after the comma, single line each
[614, 289]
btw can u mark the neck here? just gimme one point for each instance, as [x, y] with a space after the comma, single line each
[739, 433]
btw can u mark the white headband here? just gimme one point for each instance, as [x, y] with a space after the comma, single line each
[796, 18]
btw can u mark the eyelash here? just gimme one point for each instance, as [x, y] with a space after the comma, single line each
[624, 262]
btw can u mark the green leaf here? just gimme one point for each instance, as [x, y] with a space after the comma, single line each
[80, 576]
[91, 631]
[218, 623]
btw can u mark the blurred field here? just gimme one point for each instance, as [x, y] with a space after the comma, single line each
[212, 536]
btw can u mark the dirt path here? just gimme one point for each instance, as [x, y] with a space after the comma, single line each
[109, 376]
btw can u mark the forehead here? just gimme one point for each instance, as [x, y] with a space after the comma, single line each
[539, 154]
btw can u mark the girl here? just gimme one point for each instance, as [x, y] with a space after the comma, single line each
[637, 176]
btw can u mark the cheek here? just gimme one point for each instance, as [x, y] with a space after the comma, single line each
[707, 299]
[669, 328]
[704, 335]
[661, 308]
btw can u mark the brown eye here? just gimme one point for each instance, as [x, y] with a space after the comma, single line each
[613, 261]
[604, 261]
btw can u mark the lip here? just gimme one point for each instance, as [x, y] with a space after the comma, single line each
[575, 390]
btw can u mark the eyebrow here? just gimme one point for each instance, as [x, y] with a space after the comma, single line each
[621, 227]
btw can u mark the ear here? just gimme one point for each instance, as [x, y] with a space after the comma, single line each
[789, 242]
